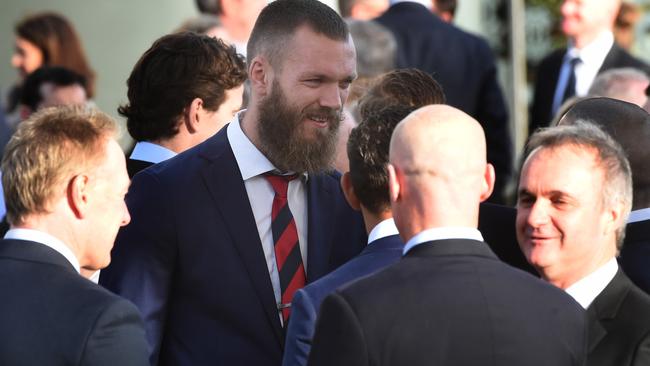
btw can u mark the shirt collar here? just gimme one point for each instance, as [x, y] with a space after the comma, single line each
[45, 239]
[382, 230]
[639, 215]
[596, 51]
[441, 233]
[250, 159]
[587, 288]
[150, 152]
[425, 3]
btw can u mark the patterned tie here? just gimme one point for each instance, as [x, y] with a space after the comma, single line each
[285, 238]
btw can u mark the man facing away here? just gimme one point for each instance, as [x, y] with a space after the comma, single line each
[64, 180]
[225, 233]
[394, 96]
[183, 89]
[449, 300]
[575, 195]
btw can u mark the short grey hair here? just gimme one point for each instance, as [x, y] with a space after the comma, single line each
[613, 83]
[376, 47]
[617, 182]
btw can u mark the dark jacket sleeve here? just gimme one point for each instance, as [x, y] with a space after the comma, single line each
[339, 339]
[117, 338]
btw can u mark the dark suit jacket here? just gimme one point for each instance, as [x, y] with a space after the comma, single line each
[306, 302]
[50, 315]
[635, 255]
[134, 166]
[619, 325]
[449, 302]
[497, 225]
[464, 66]
[192, 260]
[548, 73]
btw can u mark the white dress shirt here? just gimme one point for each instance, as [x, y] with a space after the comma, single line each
[592, 57]
[252, 165]
[150, 152]
[441, 233]
[382, 230]
[639, 215]
[587, 288]
[45, 239]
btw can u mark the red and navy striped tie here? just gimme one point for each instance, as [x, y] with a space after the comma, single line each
[285, 239]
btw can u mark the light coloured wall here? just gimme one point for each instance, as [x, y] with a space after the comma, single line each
[114, 33]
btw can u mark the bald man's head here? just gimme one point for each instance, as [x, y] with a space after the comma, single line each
[438, 163]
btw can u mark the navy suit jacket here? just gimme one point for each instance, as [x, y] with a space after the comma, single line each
[619, 325]
[304, 307]
[50, 315]
[192, 260]
[464, 66]
[548, 73]
[635, 255]
[449, 302]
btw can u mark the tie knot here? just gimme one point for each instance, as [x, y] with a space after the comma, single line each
[280, 183]
[573, 61]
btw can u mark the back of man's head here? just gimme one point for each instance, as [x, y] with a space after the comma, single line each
[48, 149]
[629, 125]
[626, 84]
[438, 172]
[177, 69]
[58, 77]
[390, 100]
[279, 20]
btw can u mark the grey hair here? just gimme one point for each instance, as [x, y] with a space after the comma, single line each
[613, 83]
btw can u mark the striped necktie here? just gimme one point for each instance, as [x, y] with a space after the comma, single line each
[285, 239]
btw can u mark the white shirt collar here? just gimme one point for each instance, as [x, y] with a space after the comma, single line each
[595, 52]
[250, 160]
[426, 3]
[150, 152]
[441, 233]
[382, 230]
[639, 215]
[45, 239]
[587, 288]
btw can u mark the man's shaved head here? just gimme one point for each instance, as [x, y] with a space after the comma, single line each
[438, 159]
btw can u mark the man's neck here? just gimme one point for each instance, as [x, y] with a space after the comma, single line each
[373, 219]
[583, 40]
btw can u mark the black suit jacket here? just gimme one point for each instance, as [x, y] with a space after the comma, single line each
[50, 315]
[192, 260]
[619, 325]
[449, 302]
[635, 255]
[548, 73]
[464, 66]
[134, 166]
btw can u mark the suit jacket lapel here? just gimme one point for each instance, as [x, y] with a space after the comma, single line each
[612, 59]
[320, 208]
[225, 183]
[605, 307]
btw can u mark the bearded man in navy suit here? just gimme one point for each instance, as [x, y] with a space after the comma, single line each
[224, 233]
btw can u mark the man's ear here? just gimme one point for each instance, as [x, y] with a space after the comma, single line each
[260, 74]
[192, 118]
[348, 192]
[77, 195]
[488, 182]
[394, 186]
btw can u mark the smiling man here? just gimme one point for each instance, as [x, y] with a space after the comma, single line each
[575, 194]
[225, 233]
